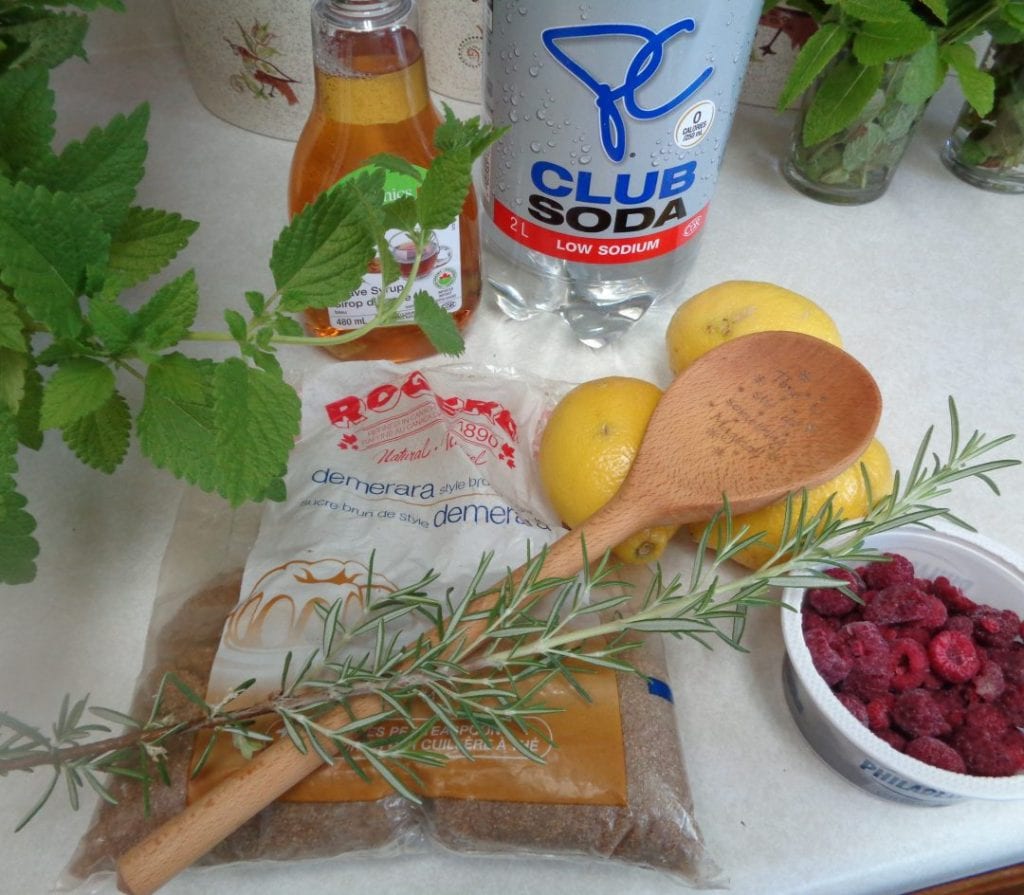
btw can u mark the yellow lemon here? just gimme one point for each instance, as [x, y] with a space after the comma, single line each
[851, 500]
[588, 446]
[737, 308]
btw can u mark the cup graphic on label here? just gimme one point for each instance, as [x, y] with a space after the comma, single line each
[403, 250]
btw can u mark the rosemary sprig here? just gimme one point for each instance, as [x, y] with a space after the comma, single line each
[538, 630]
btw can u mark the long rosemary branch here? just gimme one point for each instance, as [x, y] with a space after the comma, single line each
[539, 629]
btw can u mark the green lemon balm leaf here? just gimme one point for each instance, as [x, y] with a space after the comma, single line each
[257, 418]
[78, 387]
[102, 170]
[47, 243]
[47, 39]
[444, 189]
[878, 42]
[18, 549]
[27, 115]
[30, 432]
[924, 75]
[842, 96]
[437, 324]
[321, 256]
[978, 86]
[14, 367]
[176, 423]
[453, 133]
[167, 317]
[877, 10]
[939, 9]
[100, 439]
[820, 49]
[114, 325]
[146, 242]
[12, 329]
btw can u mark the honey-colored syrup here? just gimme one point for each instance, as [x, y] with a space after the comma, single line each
[380, 104]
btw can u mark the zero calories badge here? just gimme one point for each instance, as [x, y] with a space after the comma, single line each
[694, 124]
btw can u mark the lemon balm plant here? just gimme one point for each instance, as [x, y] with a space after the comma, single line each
[78, 316]
[867, 75]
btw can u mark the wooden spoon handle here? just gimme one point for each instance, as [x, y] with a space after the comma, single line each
[185, 838]
[182, 840]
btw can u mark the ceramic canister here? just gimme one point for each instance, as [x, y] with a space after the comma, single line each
[250, 61]
[453, 47]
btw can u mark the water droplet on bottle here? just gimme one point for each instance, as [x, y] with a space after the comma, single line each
[535, 146]
[584, 159]
[534, 71]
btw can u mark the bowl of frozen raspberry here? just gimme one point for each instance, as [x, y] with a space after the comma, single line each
[909, 681]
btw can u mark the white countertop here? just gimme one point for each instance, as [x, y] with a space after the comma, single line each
[926, 288]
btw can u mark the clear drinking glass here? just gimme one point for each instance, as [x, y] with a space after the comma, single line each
[855, 165]
[988, 151]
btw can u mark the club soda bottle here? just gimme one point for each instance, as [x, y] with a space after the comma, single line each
[619, 114]
[372, 97]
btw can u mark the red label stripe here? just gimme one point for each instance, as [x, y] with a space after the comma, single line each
[571, 247]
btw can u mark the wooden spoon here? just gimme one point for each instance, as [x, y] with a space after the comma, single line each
[755, 419]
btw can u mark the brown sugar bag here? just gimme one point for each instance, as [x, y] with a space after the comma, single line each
[418, 472]
[655, 827]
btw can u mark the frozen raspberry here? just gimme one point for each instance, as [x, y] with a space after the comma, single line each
[953, 657]
[995, 627]
[990, 754]
[879, 712]
[937, 754]
[952, 705]
[893, 737]
[909, 632]
[854, 706]
[988, 718]
[902, 603]
[1011, 701]
[954, 598]
[867, 686]
[988, 684]
[832, 666]
[863, 644]
[936, 616]
[811, 621]
[909, 664]
[879, 575]
[961, 623]
[1011, 661]
[917, 713]
[831, 601]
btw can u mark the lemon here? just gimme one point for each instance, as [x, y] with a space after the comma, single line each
[588, 446]
[851, 500]
[738, 308]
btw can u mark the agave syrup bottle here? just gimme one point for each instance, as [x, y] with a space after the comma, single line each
[372, 97]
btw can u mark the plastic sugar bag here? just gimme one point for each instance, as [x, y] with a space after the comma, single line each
[398, 471]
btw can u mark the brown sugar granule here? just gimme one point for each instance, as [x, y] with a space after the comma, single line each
[186, 645]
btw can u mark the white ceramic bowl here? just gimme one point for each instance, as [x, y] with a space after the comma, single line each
[988, 573]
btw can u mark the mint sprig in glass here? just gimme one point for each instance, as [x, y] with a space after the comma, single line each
[866, 77]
